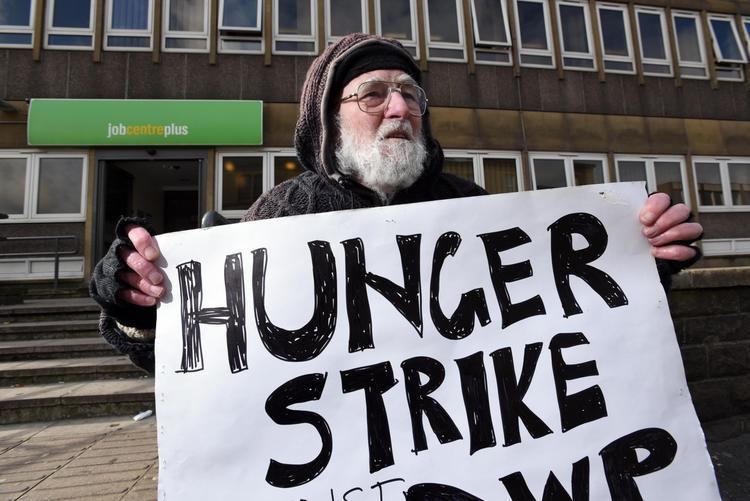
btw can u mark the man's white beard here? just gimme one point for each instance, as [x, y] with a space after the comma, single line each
[386, 166]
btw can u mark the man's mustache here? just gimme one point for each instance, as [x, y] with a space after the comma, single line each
[396, 128]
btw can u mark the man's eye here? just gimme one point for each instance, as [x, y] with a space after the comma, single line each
[372, 94]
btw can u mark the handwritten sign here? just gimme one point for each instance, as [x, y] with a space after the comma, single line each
[503, 347]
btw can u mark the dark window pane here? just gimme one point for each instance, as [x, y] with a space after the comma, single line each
[59, 186]
[443, 21]
[531, 21]
[588, 172]
[726, 40]
[15, 38]
[71, 14]
[500, 175]
[669, 180]
[461, 167]
[739, 183]
[13, 187]
[686, 32]
[130, 14]
[15, 12]
[613, 32]
[631, 170]
[128, 41]
[186, 15]
[241, 13]
[573, 23]
[70, 40]
[242, 182]
[395, 19]
[186, 43]
[652, 37]
[285, 168]
[549, 173]
[346, 17]
[294, 17]
[709, 183]
[490, 21]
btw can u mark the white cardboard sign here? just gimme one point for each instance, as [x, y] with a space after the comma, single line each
[500, 347]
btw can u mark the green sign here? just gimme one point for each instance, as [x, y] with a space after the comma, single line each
[126, 122]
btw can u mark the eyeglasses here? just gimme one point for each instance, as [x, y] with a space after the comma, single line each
[374, 96]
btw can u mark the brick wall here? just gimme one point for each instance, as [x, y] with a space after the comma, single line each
[711, 313]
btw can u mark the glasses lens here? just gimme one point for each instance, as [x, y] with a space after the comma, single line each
[414, 97]
[372, 95]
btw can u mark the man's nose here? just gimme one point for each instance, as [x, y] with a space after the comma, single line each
[396, 106]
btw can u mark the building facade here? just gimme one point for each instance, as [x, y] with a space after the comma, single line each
[524, 94]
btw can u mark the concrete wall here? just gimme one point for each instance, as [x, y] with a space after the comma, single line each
[711, 312]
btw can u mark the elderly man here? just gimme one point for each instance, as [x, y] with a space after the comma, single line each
[363, 136]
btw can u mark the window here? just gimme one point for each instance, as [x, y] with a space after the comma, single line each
[244, 176]
[497, 172]
[344, 17]
[294, 27]
[727, 47]
[614, 30]
[397, 19]
[128, 25]
[70, 24]
[652, 33]
[665, 174]
[444, 30]
[561, 170]
[16, 22]
[491, 32]
[690, 50]
[240, 26]
[43, 187]
[575, 37]
[722, 183]
[746, 25]
[532, 21]
[185, 26]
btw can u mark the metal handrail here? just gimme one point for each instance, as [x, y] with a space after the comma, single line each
[57, 252]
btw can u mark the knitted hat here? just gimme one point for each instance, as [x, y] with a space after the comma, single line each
[316, 133]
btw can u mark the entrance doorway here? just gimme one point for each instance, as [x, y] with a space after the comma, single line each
[166, 191]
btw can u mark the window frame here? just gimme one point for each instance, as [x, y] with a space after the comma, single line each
[549, 52]
[454, 46]
[239, 34]
[184, 35]
[568, 159]
[491, 47]
[651, 182]
[327, 12]
[589, 38]
[11, 29]
[312, 38]
[478, 157]
[701, 45]
[746, 27]
[726, 189]
[412, 43]
[714, 42]
[130, 33]
[667, 62]
[623, 9]
[267, 156]
[31, 188]
[51, 30]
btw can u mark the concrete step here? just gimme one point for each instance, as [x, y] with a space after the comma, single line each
[38, 349]
[48, 309]
[50, 402]
[50, 329]
[28, 372]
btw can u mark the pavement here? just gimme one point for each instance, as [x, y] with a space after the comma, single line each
[116, 459]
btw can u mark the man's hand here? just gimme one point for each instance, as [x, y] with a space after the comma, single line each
[667, 228]
[143, 277]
